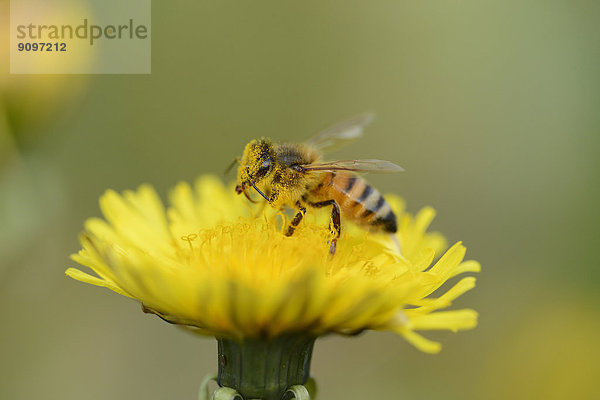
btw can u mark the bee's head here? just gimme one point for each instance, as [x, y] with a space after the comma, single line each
[257, 163]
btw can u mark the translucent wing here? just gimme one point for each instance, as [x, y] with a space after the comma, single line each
[377, 166]
[340, 134]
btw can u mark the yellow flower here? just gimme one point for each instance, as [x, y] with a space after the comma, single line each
[215, 264]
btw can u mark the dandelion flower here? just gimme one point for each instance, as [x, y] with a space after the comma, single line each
[220, 267]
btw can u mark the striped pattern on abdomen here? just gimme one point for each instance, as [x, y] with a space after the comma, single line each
[358, 200]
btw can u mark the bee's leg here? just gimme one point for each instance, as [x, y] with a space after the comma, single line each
[297, 218]
[336, 225]
[273, 196]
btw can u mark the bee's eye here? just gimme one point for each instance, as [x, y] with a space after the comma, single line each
[266, 164]
[264, 168]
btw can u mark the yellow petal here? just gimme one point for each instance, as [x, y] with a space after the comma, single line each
[421, 343]
[445, 300]
[83, 277]
[450, 320]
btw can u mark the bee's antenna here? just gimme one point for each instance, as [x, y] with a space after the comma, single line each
[259, 192]
[230, 166]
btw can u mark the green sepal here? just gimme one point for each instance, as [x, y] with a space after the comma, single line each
[298, 392]
[203, 393]
[225, 393]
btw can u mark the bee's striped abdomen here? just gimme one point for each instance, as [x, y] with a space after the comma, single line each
[358, 201]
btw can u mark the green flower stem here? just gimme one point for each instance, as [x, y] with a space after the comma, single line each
[265, 369]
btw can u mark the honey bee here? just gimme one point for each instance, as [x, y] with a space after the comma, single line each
[294, 175]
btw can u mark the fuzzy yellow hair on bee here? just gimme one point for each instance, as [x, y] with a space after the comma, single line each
[294, 175]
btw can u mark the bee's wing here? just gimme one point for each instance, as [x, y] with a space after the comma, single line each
[377, 166]
[341, 133]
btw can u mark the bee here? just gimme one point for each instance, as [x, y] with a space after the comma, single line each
[294, 175]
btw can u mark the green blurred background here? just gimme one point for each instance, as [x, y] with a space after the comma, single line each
[492, 107]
